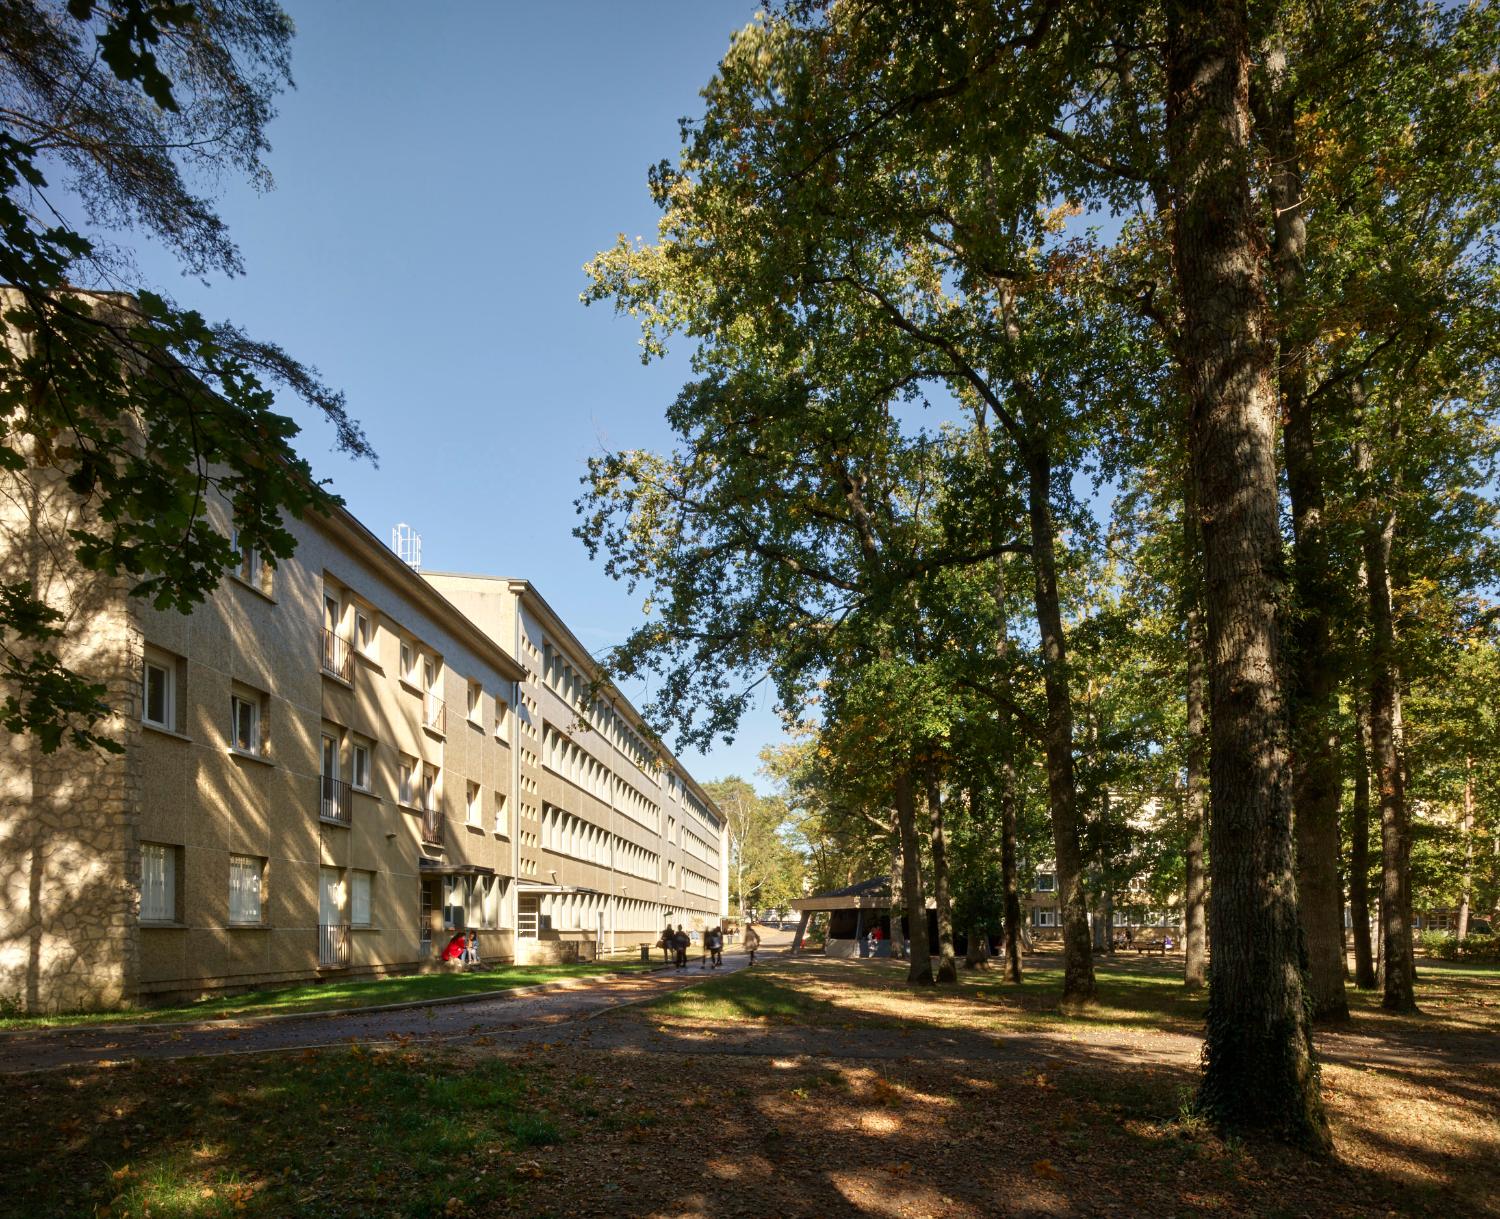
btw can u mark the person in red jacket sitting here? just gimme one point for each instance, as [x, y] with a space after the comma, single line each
[455, 949]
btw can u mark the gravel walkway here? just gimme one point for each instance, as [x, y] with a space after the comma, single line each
[538, 1013]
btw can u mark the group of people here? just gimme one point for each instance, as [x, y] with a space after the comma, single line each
[463, 949]
[676, 941]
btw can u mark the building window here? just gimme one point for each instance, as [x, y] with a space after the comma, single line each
[364, 632]
[159, 690]
[502, 818]
[1046, 918]
[429, 788]
[501, 714]
[476, 703]
[409, 772]
[1046, 882]
[408, 661]
[248, 564]
[360, 766]
[475, 804]
[246, 873]
[245, 728]
[359, 898]
[158, 883]
[453, 903]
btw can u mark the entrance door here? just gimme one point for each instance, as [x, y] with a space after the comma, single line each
[527, 912]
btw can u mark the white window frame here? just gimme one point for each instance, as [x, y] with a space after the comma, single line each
[364, 631]
[249, 567]
[1050, 879]
[409, 657]
[502, 816]
[247, 880]
[167, 666]
[158, 883]
[360, 751]
[474, 804]
[410, 769]
[256, 735]
[357, 879]
[476, 703]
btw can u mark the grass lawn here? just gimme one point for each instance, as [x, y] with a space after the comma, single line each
[827, 993]
[396, 1133]
[807, 1088]
[331, 996]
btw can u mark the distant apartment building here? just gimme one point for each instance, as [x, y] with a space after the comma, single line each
[614, 837]
[328, 768]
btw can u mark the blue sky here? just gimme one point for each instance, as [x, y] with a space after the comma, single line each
[442, 173]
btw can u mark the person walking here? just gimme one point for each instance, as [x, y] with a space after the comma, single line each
[752, 941]
[714, 942]
[668, 944]
[680, 941]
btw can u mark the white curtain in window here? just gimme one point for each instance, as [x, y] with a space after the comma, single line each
[359, 899]
[158, 883]
[244, 889]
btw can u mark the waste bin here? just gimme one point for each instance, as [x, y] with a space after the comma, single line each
[645, 954]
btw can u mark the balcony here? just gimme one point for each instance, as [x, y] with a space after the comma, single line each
[338, 656]
[432, 827]
[434, 715]
[333, 945]
[335, 807]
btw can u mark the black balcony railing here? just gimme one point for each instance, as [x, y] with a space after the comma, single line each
[335, 805]
[434, 714]
[432, 827]
[333, 945]
[338, 655]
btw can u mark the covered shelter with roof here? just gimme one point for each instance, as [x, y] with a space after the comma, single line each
[854, 912]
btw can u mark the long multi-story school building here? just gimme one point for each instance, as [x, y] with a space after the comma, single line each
[328, 768]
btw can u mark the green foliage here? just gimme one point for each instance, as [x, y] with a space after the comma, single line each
[1445, 946]
[146, 412]
[765, 871]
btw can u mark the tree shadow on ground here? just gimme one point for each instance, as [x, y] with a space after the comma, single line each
[749, 1096]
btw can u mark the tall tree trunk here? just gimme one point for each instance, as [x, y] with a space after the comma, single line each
[1359, 850]
[1195, 923]
[1466, 896]
[947, 960]
[1009, 874]
[898, 889]
[920, 971]
[1078, 960]
[1316, 784]
[1403, 761]
[977, 949]
[1107, 914]
[1010, 880]
[1259, 1070]
[1398, 964]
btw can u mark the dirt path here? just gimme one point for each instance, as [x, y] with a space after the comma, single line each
[538, 1013]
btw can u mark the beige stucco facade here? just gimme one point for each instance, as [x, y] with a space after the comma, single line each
[328, 768]
[614, 837]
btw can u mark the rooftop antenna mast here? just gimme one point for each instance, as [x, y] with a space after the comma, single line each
[407, 543]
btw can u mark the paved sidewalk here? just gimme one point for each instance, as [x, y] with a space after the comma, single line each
[534, 1014]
